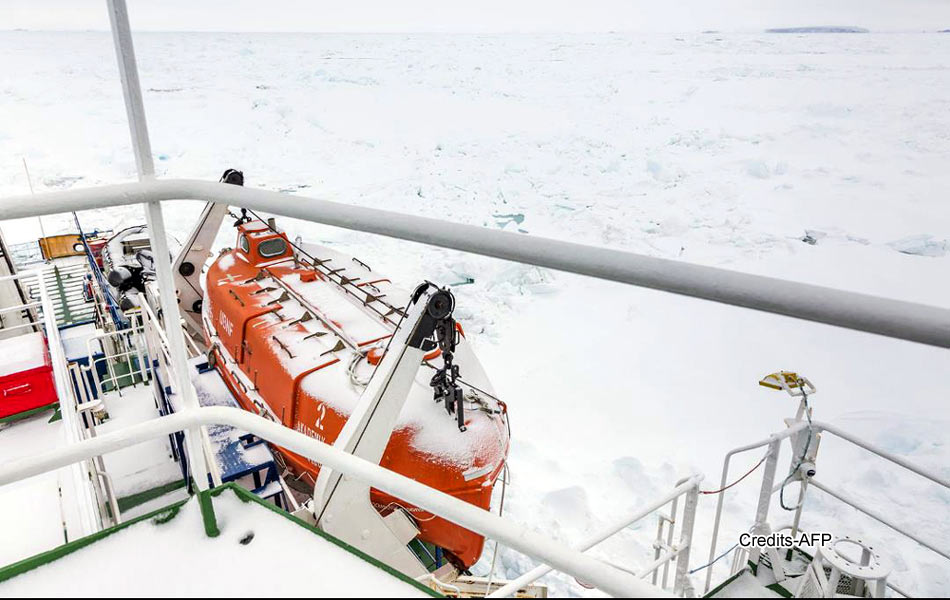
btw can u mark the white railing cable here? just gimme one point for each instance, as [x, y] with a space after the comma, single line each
[893, 318]
[513, 535]
[22, 326]
[153, 330]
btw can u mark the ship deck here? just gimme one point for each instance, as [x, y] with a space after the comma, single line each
[260, 552]
[32, 511]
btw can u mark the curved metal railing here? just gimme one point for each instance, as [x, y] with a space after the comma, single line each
[606, 577]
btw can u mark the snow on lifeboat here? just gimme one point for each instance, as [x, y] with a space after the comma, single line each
[297, 332]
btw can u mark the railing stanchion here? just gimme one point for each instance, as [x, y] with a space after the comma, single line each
[138, 128]
[765, 496]
[681, 579]
[801, 504]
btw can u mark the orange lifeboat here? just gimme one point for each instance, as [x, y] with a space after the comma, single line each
[296, 332]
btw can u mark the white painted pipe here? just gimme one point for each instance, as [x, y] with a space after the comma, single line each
[722, 484]
[607, 578]
[893, 318]
[21, 326]
[618, 525]
[879, 517]
[7, 309]
[819, 426]
[88, 521]
[897, 460]
[15, 276]
[663, 560]
[195, 440]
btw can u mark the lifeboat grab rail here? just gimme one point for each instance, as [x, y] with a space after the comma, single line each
[608, 578]
[89, 515]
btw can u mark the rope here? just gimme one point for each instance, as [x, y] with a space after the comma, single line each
[749, 472]
[715, 560]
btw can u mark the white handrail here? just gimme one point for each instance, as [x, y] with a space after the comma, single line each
[88, 521]
[20, 275]
[196, 439]
[897, 460]
[37, 323]
[892, 318]
[30, 307]
[150, 323]
[857, 505]
[27, 306]
[618, 525]
[607, 578]
[107, 358]
[769, 488]
[722, 484]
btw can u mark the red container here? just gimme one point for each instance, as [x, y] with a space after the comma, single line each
[26, 375]
[95, 246]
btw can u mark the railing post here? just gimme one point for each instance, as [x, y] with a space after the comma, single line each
[681, 580]
[207, 513]
[135, 111]
[657, 547]
[803, 489]
[761, 525]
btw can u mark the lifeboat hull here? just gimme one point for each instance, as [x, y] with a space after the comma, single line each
[296, 338]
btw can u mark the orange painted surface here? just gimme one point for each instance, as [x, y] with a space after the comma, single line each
[289, 368]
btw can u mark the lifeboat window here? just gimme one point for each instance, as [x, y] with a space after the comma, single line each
[242, 242]
[272, 247]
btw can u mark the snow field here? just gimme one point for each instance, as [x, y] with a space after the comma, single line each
[721, 149]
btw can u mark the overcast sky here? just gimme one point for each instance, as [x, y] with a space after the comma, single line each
[477, 15]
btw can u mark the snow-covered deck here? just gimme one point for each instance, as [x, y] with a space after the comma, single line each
[32, 516]
[259, 553]
[233, 457]
[144, 466]
[40, 513]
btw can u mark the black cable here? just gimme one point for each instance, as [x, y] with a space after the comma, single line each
[801, 461]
